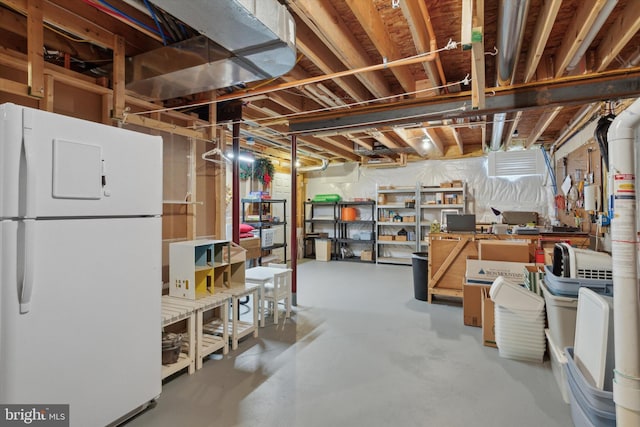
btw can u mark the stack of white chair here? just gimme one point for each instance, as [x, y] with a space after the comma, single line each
[519, 321]
[278, 290]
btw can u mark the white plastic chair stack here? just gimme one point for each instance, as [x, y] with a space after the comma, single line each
[519, 321]
[278, 290]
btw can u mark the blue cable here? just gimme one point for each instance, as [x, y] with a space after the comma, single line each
[130, 18]
[155, 19]
[550, 169]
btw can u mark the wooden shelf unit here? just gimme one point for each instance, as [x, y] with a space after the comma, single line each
[197, 267]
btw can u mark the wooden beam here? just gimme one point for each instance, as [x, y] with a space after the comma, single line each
[166, 127]
[312, 47]
[73, 24]
[437, 142]
[477, 59]
[107, 103]
[467, 23]
[418, 27]
[543, 122]
[374, 26]
[46, 103]
[544, 24]
[582, 22]
[619, 34]
[35, 56]
[327, 24]
[456, 136]
[15, 88]
[512, 128]
[118, 78]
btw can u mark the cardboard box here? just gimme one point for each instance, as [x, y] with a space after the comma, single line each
[252, 245]
[548, 256]
[445, 184]
[400, 238]
[488, 320]
[323, 250]
[482, 271]
[385, 238]
[472, 303]
[366, 255]
[409, 218]
[456, 183]
[504, 250]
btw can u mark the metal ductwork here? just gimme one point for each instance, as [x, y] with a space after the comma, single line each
[512, 18]
[241, 41]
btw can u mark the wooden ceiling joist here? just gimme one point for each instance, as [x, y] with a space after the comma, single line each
[327, 24]
[373, 25]
[623, 29]
[582, 22]
[544, 25]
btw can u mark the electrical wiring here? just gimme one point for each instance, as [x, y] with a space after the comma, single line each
[66, 36]
[112, 10]
[155, 19]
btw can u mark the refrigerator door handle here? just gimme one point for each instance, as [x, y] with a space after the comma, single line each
[29, 260]
[30, 163]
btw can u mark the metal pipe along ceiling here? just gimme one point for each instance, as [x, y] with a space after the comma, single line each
[511, 24]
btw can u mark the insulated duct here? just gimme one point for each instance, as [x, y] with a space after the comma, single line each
[511, 23]
[626, 307]
[241, 41]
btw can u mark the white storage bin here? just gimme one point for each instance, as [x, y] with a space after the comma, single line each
[516, 298]
[561, 314]
[558, 360]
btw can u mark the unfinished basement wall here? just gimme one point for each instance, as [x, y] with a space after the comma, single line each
[182, 220]
[525, 193]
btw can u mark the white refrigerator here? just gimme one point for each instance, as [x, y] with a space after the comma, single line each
[80, 265]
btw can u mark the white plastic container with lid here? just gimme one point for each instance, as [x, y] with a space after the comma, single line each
[516, 298]
[593, 349]
[561, 314]
[558, 362]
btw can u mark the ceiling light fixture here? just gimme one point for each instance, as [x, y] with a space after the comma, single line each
[241, 157]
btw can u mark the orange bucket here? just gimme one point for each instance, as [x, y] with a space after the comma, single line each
[348, 214]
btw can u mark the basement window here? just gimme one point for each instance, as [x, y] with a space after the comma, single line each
[515, 163]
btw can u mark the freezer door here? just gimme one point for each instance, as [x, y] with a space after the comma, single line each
[92, 335]
[59, 166]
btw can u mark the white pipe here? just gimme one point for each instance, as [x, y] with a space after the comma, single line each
[626, 383]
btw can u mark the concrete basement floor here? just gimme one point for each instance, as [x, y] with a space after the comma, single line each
[361, 351]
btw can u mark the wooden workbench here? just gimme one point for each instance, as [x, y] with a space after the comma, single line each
[448, 253]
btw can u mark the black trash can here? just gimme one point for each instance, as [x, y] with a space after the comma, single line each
[420, 269]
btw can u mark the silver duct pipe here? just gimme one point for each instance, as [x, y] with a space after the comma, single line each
[593, 31]
[322, 167]
[512, 18]
[240, 41]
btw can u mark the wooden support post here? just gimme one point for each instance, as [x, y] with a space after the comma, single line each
[46, 103]
[192, 185]
[35, 44]
[107, 102]
[118, 77]
[477, 60]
